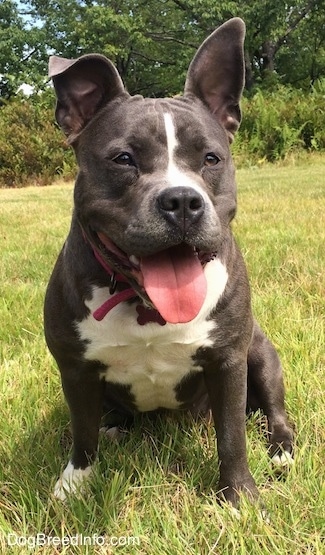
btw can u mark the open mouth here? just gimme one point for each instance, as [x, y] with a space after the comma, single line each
[172, 281]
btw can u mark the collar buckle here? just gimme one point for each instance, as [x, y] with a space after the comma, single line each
[112, 283]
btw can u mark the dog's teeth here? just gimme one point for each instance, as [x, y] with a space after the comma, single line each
[134, 260]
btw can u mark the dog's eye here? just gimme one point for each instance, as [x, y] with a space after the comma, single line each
[124, 159]
[211, 159]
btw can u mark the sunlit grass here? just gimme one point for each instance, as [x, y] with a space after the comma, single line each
[158, 483]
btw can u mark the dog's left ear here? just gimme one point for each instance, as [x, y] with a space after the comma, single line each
[216, 74]
[83, 86]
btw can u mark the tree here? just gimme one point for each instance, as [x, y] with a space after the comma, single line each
[22, 51]
[306, 46]
[282, 37]
[152, 41]
[12, 41]
[148, 40]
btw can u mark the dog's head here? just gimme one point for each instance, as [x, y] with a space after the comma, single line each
[155, 190]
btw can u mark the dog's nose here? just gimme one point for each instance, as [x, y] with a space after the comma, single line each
[182, 206]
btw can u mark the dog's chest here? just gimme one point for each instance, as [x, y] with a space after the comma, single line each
[150, 359]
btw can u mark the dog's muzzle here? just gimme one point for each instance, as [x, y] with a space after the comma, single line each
[171, 281]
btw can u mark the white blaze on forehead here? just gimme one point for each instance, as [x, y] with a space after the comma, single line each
[171, 137]
[176, 176]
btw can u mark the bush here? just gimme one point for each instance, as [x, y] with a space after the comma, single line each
[32, 148]
[276, 123]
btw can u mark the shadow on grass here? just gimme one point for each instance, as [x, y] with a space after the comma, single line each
[157, 451]
[172, 443]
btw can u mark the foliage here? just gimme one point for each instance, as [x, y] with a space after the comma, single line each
[276, 123]
[278, 33]
[279, 122]
[22, 50]
[32, 148]
[151, 41]
[12, 38]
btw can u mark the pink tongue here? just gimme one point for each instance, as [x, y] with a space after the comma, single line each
[175, 283]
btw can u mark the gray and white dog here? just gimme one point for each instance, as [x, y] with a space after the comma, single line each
[148, 306]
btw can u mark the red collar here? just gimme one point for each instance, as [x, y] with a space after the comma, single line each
[145, 315]
[116, 299]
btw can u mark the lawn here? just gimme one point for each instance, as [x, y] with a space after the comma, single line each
[153, 493]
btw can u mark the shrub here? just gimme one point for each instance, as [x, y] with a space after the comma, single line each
[279, 122]
[275, 123]
[32, 148]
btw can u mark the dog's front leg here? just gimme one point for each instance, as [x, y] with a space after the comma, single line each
[226, 381]
[84, 395]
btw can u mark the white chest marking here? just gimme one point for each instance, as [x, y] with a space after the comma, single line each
[151, 359]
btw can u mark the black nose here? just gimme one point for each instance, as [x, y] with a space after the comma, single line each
[182, 206]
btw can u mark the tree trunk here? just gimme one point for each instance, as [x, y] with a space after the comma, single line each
[249, 75]
[268, 52]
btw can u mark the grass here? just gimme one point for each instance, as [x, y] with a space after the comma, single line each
[157, 485]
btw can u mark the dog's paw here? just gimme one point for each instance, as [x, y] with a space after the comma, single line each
[262, 513]
[282, 460]
[230, 496]
[71, 481]
[231, 493]
[113, 434]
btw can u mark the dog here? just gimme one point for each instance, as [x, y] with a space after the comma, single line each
[148, 306]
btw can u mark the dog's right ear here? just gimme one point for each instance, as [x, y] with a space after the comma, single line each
[82, 87]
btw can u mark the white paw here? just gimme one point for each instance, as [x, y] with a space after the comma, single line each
[113, 434]
[71, 481]
[283, 459]
[234, 513]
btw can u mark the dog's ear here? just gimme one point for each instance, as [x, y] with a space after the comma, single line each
[82, 87]
[216, 74]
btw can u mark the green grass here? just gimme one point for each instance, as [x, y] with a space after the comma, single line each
[158, 483]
